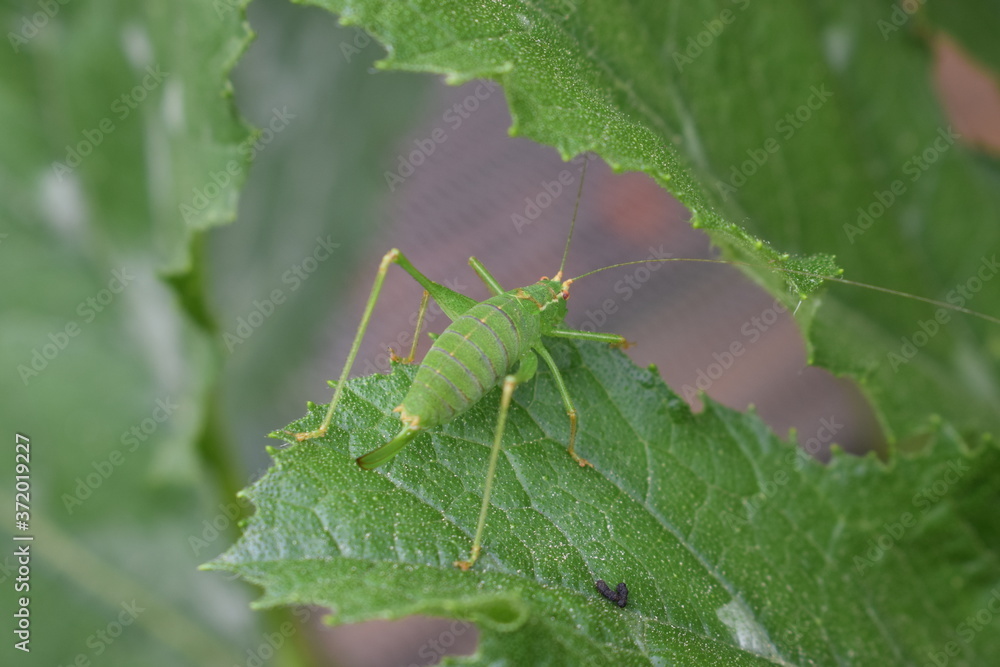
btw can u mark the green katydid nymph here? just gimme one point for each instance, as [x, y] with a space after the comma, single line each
[496, 342]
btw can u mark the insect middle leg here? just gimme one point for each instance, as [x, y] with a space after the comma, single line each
[612, 339]
[567, 401]
[615, 340]
[408, 359]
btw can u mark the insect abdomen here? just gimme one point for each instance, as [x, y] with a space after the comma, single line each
[470, 357]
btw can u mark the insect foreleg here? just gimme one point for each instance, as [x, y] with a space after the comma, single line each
[452, 304]
[408, 359]
[596, 336]
[525, 371]
[567, 401]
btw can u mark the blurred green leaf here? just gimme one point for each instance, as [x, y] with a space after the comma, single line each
[736, 548]
[967, 22]
[120, 146]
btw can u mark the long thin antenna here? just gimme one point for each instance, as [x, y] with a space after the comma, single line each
[845, 281]
[572, 225]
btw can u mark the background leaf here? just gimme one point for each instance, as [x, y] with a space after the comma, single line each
[963, 21]
[115, 117]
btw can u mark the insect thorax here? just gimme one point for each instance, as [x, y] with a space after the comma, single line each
[548, 296]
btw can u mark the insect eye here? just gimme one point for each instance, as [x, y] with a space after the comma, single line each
[564, 294]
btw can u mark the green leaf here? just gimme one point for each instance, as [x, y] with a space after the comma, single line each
[964, 21]
[796, 120]
[736, 548]
[114, 114]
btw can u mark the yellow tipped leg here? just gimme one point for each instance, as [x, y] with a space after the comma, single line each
[571, 413]
[309, 435]
[525, 371]
[509, 384]
[408, 359]
[389, 258]
[567, 402]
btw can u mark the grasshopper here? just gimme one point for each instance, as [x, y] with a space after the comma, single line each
[497, 342]
[494, 342]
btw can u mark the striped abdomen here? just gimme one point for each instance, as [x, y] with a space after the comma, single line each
[470, 358]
